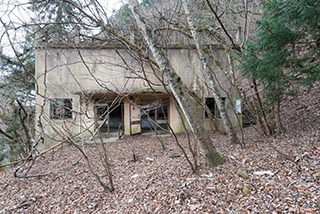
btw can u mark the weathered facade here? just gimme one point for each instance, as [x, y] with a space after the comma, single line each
[86, 89]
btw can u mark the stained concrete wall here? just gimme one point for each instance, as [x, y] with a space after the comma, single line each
[80, 73]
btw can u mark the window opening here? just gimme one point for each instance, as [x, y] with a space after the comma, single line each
[213, 107]
[61, 108]
[154, 116]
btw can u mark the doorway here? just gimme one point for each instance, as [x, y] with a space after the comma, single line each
[109, 116]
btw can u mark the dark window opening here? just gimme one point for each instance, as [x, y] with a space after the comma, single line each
[109, 118]
[61, 108]
[213, 108]
[154, 117]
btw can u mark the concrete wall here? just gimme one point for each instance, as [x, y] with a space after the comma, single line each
[79, 74]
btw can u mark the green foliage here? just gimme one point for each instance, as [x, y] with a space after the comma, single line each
[53, 10]
[60, 17]
[122, 18]
[18, 75]
[286, 52]
[11, 149]
[16, 83]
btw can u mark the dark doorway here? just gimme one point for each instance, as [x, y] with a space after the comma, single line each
[109, 116]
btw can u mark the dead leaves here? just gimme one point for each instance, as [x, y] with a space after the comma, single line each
[161, 181]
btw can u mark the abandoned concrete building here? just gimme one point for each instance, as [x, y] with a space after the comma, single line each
[84, 89]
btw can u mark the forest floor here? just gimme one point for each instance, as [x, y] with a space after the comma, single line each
[161, 181]
[256, 179]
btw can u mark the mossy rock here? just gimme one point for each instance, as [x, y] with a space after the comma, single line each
[242, 174]
[246, 190]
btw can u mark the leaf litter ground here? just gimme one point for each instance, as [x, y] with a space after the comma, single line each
[160, 181]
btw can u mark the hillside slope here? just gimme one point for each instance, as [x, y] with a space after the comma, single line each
[162, 182]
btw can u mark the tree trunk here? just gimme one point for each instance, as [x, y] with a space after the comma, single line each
[59, 17]
[210, 81]
[265, 123]
[281, 128]
[188, 104]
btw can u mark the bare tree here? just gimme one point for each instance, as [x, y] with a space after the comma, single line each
[209, 73]
[187, 103]
[144, 56]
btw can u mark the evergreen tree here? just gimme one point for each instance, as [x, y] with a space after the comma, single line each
[59, 16]
[286, 52]
[17, 96]
[18, 74]
[122, 17]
